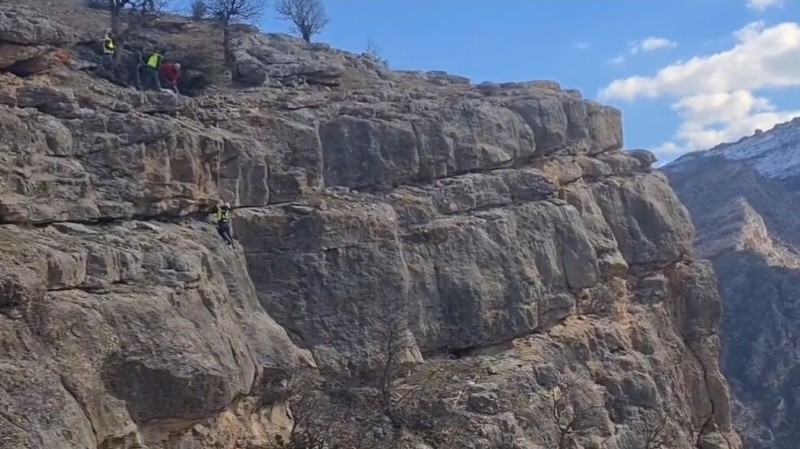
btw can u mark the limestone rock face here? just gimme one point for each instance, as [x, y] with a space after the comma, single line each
[743, 200]
[25, 40]
[126, 324]
[278, 60]
[502, 226]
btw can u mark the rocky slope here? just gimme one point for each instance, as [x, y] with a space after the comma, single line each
[520, 251]
[743, 199]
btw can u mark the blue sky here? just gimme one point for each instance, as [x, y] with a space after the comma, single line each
[574, 42]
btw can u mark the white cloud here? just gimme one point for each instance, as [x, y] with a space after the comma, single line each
[651, 44]
[710, 119]
[761, 5]
[714, 94]
[582, 45]
[644, 45]
[617, 60]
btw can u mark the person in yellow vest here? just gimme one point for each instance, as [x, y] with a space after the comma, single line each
[152, 65]
[108, 50]
[223, 215]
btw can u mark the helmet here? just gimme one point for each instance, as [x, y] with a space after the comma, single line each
[178, 65]
[227, 204]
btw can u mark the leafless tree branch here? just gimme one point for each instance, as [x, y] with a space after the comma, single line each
[228, 12]
[198, 9]
[135, 13]
[308, 17]
[566, 408]
[232, 11]
[374, 51]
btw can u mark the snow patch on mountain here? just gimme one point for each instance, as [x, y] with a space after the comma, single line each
[774, 153]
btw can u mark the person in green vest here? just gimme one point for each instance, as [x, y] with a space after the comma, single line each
[223, 216]
[151, 66]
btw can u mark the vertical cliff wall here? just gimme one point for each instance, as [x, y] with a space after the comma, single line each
[502, 225]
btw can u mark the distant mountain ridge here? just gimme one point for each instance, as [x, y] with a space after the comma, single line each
[774, 153]
[744, 200]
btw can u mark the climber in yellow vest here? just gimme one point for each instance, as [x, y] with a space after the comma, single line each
[223, 216]
[152, 65]
[108, 50]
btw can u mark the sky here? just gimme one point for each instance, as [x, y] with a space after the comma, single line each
[686, 74]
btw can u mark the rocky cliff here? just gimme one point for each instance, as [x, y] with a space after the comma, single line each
[499, 231]
[743, 199]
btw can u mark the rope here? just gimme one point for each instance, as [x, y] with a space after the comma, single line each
[219, 167]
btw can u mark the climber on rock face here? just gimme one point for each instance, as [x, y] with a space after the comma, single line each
[135, 64]
[108, 50]
[223, 222]
[171, 72]
[152, 66]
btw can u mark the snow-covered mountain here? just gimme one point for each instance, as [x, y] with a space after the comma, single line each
[744, 200]
[774, 154]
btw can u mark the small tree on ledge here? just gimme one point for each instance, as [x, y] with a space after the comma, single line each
[308, 17]
[141, 11]
[228, 12]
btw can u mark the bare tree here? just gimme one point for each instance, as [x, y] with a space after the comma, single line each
[141, 11]
[330, 413]
[307, 16]
[346, 413]
[374, 51]
[566, 408]
[394, 357]
[377, 407]
[656, 431]
[198, 9]
[395, 340]
[228, 12]
[312, 418]
[116, 7]
[655, 434]
[415, 397]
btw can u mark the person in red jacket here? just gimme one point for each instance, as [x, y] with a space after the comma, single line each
[171, 72]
